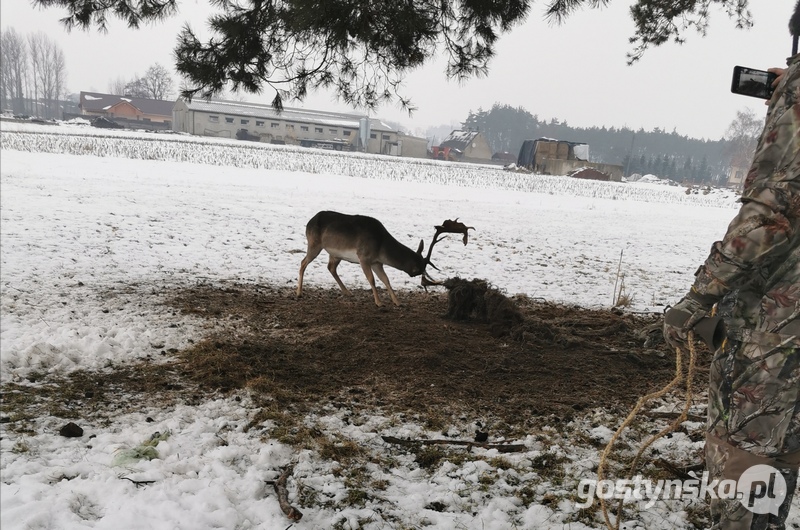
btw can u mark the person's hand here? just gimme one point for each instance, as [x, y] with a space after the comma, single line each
[680, 319]
[779, 72]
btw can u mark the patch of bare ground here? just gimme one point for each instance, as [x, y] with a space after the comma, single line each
[425, 359]
[441, 355]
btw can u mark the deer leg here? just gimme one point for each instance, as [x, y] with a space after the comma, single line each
[311, 253]
[378, 268]
[371, 279]
[333, 263]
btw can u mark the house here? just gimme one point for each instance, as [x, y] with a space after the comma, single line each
[740, 166]
[736, 176]
[292, 126]
[548, 156]
[466, 146]
[155, 114]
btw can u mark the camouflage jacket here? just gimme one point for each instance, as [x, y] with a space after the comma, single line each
[755, 270]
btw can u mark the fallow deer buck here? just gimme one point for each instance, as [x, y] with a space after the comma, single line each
[364, 240]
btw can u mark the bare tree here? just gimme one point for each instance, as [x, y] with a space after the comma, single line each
[57, 87]
[117, 86]
[36, 56]
[48, 75]
[135, 88]
[364, 49]
[157, 82]
[13, 70]
[743, 133]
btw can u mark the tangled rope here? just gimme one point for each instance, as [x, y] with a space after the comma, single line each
[679, 376]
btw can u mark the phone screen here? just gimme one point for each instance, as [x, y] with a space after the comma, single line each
[752, 82]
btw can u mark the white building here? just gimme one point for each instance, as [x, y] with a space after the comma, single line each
[310, 128]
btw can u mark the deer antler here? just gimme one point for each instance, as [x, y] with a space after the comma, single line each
[454, 227]
[447, 227]
[427, 281]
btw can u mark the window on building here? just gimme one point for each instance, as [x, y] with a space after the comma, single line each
[346, 133]
[333, 131]
[304, 128]
[289, 127]
[213, 119]
[245, 122]
[275, 125]
[259, 123]
[384, 137]
[317, 129]
[228, 120]
[373, 135]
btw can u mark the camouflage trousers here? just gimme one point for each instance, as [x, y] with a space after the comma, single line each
[754, 420]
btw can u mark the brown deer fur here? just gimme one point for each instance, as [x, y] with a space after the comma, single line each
[359, 239]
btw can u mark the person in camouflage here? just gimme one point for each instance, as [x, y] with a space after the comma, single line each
[745, 303]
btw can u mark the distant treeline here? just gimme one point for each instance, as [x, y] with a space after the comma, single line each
[668, 155]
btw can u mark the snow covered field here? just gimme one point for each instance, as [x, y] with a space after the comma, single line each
[84, 213]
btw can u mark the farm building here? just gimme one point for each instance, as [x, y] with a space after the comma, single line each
[309, 128]
[736, 175]
[128, 111]
[548, 156]
[465, 146]
[740, 165]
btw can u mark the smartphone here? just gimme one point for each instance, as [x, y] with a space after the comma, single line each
[752, 82]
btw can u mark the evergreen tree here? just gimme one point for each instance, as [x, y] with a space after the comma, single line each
[687, 169]
[504, 127]
[703, 172]
[362, 50]
[668, 155]
[627, 164]
[662, 166]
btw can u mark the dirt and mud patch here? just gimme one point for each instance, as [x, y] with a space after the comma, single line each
[508, 362]
[417, 359]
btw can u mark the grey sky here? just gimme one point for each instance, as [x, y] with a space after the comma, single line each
[575, 72]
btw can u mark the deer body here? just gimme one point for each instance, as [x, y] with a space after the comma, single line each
[363, 240]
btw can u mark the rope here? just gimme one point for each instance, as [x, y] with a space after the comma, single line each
[670, 428]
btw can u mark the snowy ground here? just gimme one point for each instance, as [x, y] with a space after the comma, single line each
[85, 214]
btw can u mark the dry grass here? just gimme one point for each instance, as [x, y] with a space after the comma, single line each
[326, 349]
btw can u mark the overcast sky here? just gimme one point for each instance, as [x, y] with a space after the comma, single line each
[575, 72]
